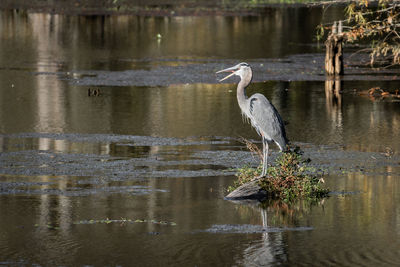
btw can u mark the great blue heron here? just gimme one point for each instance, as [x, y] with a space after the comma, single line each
[262, 114]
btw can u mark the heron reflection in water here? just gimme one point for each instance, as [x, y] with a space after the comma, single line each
[262, 114]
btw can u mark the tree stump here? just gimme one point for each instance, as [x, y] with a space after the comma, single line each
[334, 51]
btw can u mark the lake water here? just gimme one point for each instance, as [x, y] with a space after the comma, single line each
[117, 146]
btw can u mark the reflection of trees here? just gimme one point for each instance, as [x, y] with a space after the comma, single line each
[59, 43]
[364, 221]
[97, 41]
[51, 109]
[354, 122]
[179, 110]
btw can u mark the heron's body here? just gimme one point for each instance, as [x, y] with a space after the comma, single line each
[262, 114]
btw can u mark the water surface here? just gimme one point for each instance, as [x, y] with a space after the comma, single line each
[136, 173]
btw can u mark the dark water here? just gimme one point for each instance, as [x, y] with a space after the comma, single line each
[135, 175]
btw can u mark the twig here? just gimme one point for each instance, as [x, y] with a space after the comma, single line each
[251, 146]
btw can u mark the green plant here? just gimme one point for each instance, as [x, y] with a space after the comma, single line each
[290, 178]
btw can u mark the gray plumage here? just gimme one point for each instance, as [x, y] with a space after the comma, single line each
[262, 114]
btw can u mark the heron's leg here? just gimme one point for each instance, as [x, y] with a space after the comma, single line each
[263, 164]
[265, 157]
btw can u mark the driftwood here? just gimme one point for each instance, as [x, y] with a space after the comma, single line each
[250, 190]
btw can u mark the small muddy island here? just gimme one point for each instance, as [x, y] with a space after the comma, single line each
[291, 178]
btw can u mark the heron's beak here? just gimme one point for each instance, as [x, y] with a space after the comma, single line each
[232, 69]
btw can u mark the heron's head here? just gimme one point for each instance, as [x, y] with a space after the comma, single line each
[242, 69]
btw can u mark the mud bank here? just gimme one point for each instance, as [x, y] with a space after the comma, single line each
[306, 67]
[104, 161]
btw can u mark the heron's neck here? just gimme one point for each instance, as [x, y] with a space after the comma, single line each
[241, 89]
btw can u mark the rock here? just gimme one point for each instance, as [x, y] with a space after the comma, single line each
[250, 190]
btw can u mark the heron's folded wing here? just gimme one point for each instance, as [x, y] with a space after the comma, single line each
[267, 120]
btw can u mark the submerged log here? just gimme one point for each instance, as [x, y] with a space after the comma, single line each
[250, 190]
